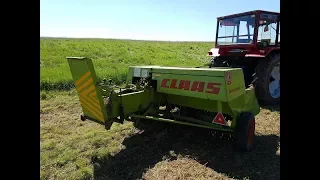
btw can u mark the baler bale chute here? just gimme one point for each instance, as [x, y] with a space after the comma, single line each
[212, 98]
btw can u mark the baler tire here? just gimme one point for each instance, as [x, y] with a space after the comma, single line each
[245, 132]
[263, 71]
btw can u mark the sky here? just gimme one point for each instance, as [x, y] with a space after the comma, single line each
[164, 20]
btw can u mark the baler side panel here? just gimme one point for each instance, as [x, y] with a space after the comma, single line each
[85, 82]
[197, 103]
[235, 85]
[203, 87]
[131, 102]
[251, 103]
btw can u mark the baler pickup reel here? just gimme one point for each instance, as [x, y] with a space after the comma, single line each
[213, 98]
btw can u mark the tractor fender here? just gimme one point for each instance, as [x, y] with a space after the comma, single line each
[271, 51]
[264, 53]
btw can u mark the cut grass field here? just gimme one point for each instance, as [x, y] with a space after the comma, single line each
[72, 149]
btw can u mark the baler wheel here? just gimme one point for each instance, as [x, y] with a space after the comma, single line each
[245, 132]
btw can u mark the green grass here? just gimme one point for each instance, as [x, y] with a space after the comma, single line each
[111, 58]
[72, 149]
[67, 145]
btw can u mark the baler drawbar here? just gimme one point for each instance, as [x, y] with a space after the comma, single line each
[213, 98]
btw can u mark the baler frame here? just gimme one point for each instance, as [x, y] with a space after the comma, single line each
[143, 98]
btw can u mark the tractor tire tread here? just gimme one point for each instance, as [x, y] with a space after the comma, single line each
[262, 71]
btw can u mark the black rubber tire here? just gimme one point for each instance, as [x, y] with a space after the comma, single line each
[245, 132]
[263, 71]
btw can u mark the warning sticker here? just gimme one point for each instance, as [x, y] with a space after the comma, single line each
[219, 119]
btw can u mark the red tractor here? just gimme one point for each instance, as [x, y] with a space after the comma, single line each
[251, 41]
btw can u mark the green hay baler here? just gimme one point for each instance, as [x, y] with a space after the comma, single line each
[212, 98]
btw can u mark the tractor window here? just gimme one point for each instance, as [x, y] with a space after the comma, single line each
[237, 30]
[245, 32]
[267, 28]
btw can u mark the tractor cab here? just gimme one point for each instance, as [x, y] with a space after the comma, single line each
[251, 41]
[247, 33]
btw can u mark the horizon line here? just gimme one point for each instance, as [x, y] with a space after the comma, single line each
[52, 37]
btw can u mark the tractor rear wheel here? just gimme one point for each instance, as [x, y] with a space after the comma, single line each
[268, 83]
[245, 132]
